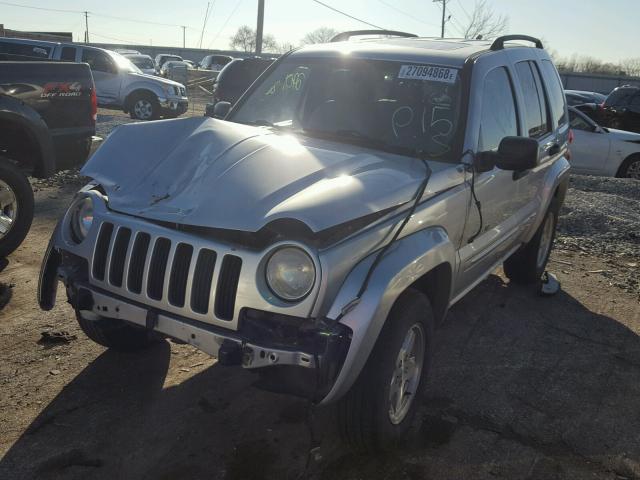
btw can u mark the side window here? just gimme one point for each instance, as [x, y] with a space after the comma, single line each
[554, 87]
[68, 54]
[579, 123]
[619, 97]
[97, 60]
[635, 102]
[499, 117]
[535, 105]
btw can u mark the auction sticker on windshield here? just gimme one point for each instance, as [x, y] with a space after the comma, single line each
[428, 72]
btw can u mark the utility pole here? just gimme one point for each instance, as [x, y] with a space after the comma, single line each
[260, 27]
[184, 42]
[444, 15]
[86, 23]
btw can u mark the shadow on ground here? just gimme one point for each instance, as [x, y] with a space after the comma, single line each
[522, 387]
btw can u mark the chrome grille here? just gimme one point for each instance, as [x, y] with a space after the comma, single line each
[161, 271]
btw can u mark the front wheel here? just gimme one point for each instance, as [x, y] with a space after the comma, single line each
[16, 207]
[380, 407]
[528, 264]
[630, 168]
[144, 106]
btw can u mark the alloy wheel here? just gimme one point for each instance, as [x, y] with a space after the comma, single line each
[8, 208]
[406, 375]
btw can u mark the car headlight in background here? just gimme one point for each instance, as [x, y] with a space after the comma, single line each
[82, 219]
[290, 273]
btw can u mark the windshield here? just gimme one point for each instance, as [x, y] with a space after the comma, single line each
[123, 63]
[142, 62]
[386, 104]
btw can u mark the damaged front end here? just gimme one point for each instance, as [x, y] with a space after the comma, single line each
[204, 292]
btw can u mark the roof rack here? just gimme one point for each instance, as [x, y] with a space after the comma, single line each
[341, 37]
[498, 43]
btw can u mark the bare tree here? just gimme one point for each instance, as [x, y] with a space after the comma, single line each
[319, 35]
[244, 39]
[484, 22]
[269, 44]
[631, 66]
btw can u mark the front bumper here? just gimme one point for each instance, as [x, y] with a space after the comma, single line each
[174, 106]
[297, 355]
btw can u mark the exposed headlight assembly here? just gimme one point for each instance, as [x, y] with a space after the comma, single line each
[81, 219]
[290, 274]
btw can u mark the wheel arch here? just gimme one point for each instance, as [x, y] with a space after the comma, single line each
[625, 163]
[26, 138]
[133, 94]
[425, 261]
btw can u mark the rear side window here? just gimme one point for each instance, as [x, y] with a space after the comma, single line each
[579, 123]
[28, 50]
[554, 87]
[68, 54]
[499, 118]
[535, 105]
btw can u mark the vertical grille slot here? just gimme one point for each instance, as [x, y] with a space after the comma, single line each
[180, 274]
[202, 280]
[118, 256]
[158, 267]
[102, 250]
[227, 287]
[136, 264]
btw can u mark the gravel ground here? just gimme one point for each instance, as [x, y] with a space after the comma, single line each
[601, 216]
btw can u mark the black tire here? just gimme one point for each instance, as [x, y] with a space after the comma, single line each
[20, 187]
[525, 266]
[149, 100]
[630, 168]
[364, 417]
[117, 335]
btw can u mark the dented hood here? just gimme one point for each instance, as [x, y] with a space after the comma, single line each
[211, 173]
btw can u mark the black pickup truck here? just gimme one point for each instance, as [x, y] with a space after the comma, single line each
[47, 121]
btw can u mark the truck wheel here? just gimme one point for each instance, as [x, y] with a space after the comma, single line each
[528, 264]
[379, 409]
[16, 207]
[116, 334]
[144, 106]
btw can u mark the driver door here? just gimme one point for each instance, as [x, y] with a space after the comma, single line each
[105, 75]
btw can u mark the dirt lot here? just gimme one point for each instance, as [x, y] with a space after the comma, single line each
[522, 386]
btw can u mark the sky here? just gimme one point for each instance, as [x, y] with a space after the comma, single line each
[603, 29]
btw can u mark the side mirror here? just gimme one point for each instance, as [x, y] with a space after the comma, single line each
[515, 154]
[221, 109]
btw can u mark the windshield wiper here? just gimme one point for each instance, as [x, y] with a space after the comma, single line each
[359, 138]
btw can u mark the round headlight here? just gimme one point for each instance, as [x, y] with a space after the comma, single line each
[82, 218]
[290, 273]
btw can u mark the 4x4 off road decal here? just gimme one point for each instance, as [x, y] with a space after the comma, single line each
[428, 72]
[61, 89]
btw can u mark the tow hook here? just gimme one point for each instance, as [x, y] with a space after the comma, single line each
[230, 354]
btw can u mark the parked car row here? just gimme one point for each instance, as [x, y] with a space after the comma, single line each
[119, 83]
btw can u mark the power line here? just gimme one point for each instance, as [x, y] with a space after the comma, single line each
[124, 19]
[407, 14]
[346, 14]
[464, 10]
[225, 23]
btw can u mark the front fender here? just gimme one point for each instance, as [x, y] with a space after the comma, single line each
[407, 261]
[143, 85]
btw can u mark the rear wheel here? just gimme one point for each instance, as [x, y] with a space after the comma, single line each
[528, 264]
[630, 168]
[116, 334]
[16, 207]
[380, 407]
[144, 106]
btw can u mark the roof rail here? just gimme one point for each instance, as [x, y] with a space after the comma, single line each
[498, 43]
[341, 37]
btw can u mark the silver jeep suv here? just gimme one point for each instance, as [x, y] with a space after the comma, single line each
[321, 232]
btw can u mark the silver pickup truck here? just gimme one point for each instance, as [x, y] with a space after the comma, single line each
[321, 232]
[119, 83]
